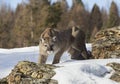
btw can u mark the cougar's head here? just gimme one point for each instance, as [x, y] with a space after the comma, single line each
[48, 40]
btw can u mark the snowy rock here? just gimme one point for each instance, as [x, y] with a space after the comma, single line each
[106, 43]
[26, 72]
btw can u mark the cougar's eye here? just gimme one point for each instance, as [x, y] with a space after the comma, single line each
[45, 45]
[54, 38]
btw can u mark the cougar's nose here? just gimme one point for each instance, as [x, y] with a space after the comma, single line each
[50, 48]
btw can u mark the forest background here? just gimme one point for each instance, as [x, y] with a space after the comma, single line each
[22, 27]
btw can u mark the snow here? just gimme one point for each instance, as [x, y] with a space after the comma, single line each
[92, 71]
[83, 73]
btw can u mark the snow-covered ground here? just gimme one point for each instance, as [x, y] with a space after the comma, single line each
[70, 72]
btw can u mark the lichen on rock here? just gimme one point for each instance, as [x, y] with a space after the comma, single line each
[26, 72]
[116, 75]
[106, 43]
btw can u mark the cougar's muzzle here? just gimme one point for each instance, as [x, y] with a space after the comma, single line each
[50, 48]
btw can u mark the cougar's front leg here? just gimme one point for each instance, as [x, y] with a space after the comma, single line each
[42, 59]
[57, 57]
[84, 52]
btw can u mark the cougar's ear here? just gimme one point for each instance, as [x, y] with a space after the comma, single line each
[41, 40]
[52, 32]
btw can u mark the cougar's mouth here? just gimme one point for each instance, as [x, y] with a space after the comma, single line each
[49, 52]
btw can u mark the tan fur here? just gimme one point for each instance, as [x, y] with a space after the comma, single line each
[72, 40]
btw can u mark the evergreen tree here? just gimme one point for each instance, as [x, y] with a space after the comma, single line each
[54, 16]
[38, 10]
[113, 19]
[96, 17]
[76, 2]
[65, 16]
[96, 21]
[21, 31]
[104, 17]
[6, 25]
[78, 14]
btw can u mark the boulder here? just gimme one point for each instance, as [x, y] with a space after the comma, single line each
[116, 74]
[26, 72]
[106, 44]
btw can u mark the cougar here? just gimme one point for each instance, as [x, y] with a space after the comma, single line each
[55, 41]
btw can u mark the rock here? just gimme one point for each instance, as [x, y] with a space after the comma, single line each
[116, 75]
[106, 43]
[26, 72]
[3, 81]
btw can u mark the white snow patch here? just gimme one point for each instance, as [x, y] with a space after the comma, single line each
[83, 73]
